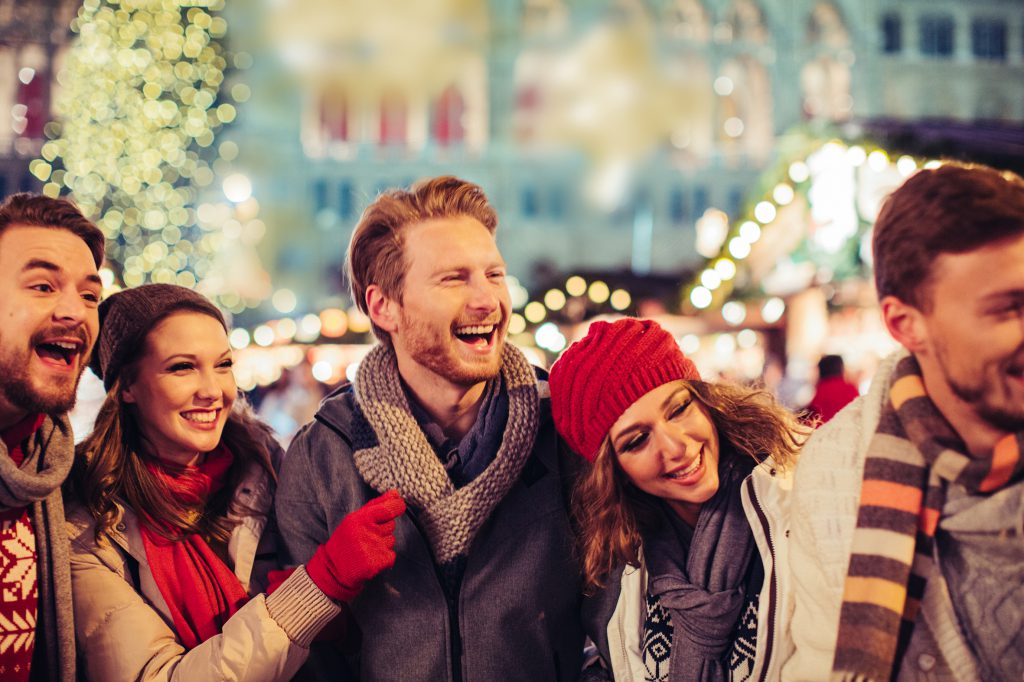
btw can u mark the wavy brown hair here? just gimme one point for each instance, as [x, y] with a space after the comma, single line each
[110, 469]
[609, 512]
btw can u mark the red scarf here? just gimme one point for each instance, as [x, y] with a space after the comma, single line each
[200, 590]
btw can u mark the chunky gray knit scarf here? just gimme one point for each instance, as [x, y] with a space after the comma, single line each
[404, 460]
[48, 457]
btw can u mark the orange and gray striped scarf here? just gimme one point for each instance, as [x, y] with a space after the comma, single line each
[910, 459]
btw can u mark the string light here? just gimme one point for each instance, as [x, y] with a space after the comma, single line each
[721, 266]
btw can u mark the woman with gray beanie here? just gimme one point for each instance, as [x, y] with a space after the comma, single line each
[171, 541]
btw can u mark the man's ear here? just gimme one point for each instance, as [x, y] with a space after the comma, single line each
[381, 309]
[905, 323]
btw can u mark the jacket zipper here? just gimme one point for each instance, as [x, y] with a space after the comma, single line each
[622, 648]
[452, 602]
[773, 588]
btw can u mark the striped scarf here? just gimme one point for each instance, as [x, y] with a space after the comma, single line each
[910, 459]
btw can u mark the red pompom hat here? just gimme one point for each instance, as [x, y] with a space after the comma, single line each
[605, 372]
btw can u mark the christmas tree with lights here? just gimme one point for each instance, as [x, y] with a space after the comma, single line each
[139, 107]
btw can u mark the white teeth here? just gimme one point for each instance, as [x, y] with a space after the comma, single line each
[67, 345]
[478, 329]
[201, 417]
[690, 469]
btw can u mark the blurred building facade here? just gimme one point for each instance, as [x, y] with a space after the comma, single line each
[603, 130]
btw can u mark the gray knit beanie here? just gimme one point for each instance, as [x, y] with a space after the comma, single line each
[127, 316]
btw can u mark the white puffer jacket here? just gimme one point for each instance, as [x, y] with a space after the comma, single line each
[765, 501]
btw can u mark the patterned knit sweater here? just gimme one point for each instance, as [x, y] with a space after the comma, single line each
[19, 593]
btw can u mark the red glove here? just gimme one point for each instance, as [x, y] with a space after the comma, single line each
[361, 547]
[276, 578]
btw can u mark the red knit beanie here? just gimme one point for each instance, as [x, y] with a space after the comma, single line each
[605, 372]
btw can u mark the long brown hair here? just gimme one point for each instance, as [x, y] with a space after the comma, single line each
[609, 512]
[110, 470]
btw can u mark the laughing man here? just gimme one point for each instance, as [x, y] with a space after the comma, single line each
[485, 586]
[907, 547]
[49, 291]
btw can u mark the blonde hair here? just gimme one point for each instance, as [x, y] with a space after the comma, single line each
[375, 252]
[609, 512]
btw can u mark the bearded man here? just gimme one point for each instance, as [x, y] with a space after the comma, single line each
[49, 293]
[485, 585]
[906, 543]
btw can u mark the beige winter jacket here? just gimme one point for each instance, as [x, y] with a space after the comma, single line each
[124, 630]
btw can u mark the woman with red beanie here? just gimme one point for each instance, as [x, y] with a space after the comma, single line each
[680, 514]
[171, 539]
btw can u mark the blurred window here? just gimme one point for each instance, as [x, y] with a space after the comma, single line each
[345, 203]
[677, 206]
[30, 112]
[937, 35]
[700, 200]
[319, 195]
[988, 38]
[735, 202]
[529, 202]
[334, 117]
[393, 122]
[557, 202]
[449, 128]
[892, 34]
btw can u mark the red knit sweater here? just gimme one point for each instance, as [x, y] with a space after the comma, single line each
[18, 577]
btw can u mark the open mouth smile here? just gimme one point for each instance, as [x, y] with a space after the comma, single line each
[688, 474]
[60, 352]
[202, 419]
[477, 336]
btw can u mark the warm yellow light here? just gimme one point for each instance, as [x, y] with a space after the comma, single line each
[534, 311]
[333, 322]
[139, 96]
[554, 299]
[516, 324]
[576, 285]
[598, 292]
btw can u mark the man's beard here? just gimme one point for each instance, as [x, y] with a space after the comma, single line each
[439, 356]
[983, 395]
[1004, 418]
[19, 390]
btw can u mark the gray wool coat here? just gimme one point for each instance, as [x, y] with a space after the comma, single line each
[517, 613]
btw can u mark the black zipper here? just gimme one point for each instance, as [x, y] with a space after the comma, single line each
[773, 587]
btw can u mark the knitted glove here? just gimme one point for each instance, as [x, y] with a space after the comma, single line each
[276, 578]
[361, 547]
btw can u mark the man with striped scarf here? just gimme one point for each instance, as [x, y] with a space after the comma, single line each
[907, 537]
